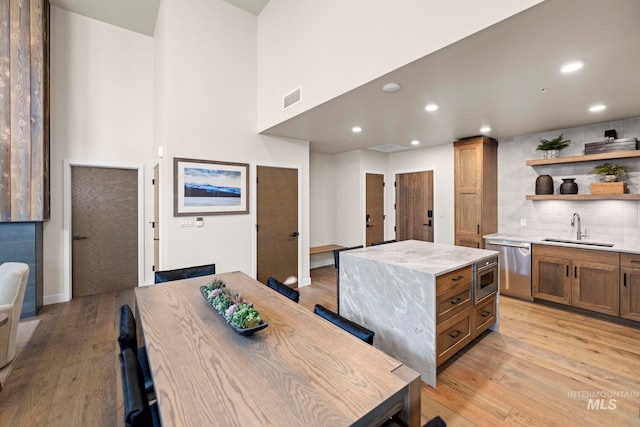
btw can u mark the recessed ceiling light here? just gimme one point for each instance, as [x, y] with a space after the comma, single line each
[570, 67]
[415, 142]
[485, 129]
[431, 107]
[356, 129]
[391, 87]
[597, 107]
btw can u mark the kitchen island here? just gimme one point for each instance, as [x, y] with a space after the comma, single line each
[418, 299]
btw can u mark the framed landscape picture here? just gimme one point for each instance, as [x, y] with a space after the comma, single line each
[203, 187]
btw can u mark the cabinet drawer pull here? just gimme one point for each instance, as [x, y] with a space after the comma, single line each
[567, 270]
[635, 261]
[455, 279]
[625, 280]
[478, 231]
[456, 334]
[456, 301]
[575, 271]
[485, 313]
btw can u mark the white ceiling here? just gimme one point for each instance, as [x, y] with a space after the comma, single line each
[138, 15]
[494, 77]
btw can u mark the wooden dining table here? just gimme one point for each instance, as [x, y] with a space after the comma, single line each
[301, 370]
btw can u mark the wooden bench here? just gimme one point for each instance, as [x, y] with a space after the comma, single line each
[323, 249]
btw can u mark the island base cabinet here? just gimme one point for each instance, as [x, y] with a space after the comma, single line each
[452, 335]
[484, 315]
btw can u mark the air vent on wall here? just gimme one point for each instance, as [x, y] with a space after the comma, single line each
[389, 148]
[292, 98]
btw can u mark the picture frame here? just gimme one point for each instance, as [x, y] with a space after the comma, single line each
[207, 187]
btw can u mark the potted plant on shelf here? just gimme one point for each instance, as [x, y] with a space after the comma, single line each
[609, 172]
[551, 147]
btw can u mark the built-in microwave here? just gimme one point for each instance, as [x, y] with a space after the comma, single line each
[485, 278]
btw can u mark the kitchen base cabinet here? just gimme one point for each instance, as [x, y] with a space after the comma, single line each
[583, 278]
[630, 286]
[596, 287]
[550, 277]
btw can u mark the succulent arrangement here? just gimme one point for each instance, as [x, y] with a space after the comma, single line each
[553, 144]
[230, 304]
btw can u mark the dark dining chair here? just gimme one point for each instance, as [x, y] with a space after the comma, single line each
[137, 411]
[353, 328]
[184, 273]
[384, 242]
[128, 338]
[288, 292]
[336, 264]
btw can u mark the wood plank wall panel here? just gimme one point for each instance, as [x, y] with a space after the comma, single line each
[5, 114]
[24, 119]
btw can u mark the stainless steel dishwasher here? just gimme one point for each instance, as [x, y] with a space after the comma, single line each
[515, 267]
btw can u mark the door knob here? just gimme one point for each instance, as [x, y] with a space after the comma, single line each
[294, 234]
[79, 237]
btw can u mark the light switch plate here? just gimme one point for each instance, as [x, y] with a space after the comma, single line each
[523, 222]
[186, 222]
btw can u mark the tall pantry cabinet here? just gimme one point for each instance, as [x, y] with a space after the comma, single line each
[476, 190]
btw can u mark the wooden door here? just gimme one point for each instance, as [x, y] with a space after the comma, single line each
[277, 228]
[414, 206]
[596, 287]
[468, 202]
[374, 208]
[551, 279]
[104, 218]
[156, 217]
[630, 293]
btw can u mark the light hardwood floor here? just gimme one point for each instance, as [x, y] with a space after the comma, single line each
[532, 373]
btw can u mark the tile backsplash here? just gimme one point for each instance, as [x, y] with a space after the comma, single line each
[605, 220]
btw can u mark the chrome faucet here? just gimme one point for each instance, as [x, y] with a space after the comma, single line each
[579, 234]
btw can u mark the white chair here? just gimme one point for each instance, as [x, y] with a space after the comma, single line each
[13, 282]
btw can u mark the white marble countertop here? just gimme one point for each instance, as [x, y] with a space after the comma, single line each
[617, 247]
[433, 258]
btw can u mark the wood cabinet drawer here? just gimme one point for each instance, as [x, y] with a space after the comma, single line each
[630, 260]
[449, 280]
[484, 315]
[453, 301]
[452, 335]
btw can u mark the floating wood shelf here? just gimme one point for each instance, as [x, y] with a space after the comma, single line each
[583, 197]
[585, 158]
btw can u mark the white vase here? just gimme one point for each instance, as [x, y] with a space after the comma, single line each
[609, 178]
[550, 154]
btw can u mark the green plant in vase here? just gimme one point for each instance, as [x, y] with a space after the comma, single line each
[551, 147]
[609, 172]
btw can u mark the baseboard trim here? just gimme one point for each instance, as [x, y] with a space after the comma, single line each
[305, 282]
[53, 299]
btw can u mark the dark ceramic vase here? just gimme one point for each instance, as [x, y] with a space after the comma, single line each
[544, 184]
[568, 186]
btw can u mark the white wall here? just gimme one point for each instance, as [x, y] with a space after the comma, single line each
[322, 185]
[348, 231]
[332, 46]
[438, 159]
[101, 111]
[209, 112]
[605, 220]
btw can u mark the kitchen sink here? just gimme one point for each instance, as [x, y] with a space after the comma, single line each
[579, 242]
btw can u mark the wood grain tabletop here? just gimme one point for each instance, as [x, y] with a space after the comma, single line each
[300, 370]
